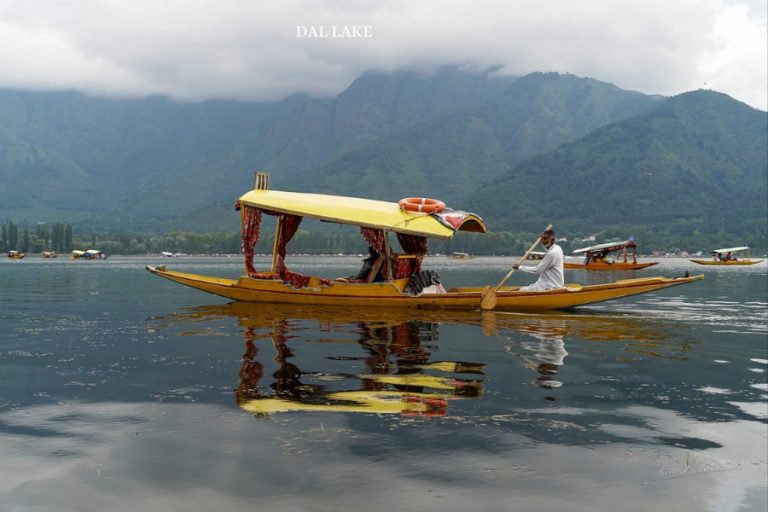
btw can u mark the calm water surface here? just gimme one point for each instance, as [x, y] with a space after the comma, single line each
[123, 391]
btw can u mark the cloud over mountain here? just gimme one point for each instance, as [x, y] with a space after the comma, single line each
[248, 49]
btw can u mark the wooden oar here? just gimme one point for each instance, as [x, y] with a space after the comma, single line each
[488, 301]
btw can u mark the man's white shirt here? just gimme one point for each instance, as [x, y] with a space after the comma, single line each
[550, 270]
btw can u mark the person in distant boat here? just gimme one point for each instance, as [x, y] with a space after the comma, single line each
[599, 257]
[550, 269]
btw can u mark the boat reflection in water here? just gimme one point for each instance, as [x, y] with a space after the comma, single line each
[400, 379]
[387, 358]
[396, 372]
[548, 351]
[540, 340]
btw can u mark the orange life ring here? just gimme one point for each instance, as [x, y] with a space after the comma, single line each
[421, 204]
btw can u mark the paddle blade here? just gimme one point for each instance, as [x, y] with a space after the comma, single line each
[488, 300]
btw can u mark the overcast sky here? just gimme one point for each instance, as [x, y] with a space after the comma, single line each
[248, 49]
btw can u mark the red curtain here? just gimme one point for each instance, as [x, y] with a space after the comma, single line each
[288, 227]
[251, 370]
[416, 245]
[251, 230]
[374, 237]
[402, 267]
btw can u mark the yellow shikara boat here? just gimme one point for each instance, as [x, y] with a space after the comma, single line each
[16, 255]
[727, 257]
[394, 279]
[595, 257]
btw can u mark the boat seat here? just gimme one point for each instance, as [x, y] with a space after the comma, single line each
[264, 275]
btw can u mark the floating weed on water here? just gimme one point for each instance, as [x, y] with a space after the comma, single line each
[715, 391]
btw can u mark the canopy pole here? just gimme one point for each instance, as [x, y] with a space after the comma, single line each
[242, 230]
[278, 228]
[386, 255]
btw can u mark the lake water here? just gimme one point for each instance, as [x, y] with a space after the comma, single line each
[123, 391]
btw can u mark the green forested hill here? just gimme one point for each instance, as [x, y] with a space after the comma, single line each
[697, 163]
[147, 163]
[453, 153]
[304, 134]
[520, 151]
[71, 157]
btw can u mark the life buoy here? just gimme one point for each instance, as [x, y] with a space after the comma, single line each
[421, 204]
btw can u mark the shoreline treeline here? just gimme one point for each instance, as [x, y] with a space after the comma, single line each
[59, 237]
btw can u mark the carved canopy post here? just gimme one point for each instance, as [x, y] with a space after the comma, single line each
[251, 225]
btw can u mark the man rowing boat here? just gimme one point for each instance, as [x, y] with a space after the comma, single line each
[550, 269]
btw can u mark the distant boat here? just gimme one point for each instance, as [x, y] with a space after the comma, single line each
[16, 255]
[727, 257]
[596, 257]
[90, 254]
[461, 256]
[169, 254]
[50, 254]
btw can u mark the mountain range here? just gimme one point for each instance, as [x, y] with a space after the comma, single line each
[520, 151]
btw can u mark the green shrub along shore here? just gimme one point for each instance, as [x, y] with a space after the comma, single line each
[61, 238]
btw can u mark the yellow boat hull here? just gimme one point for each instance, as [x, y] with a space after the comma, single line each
[390, 294]
[609, 266]
[727, 263]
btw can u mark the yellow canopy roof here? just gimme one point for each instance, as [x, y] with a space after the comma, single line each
[359, 212]
[614, 246]
[732, 249]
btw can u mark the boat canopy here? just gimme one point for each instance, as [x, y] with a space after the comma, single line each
[732, 249]
[77, 252]
[607, 247]
[368, 213]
